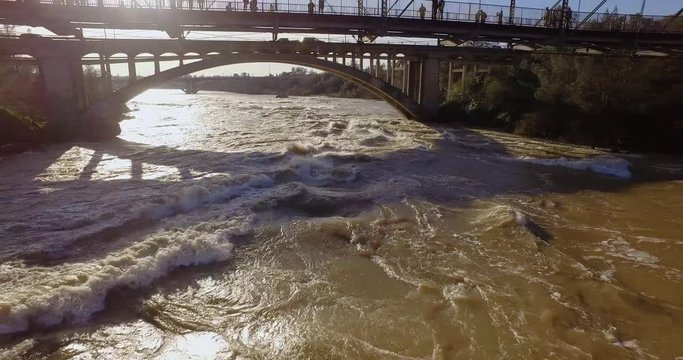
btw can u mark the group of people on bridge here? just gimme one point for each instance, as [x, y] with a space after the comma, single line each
[552, 18]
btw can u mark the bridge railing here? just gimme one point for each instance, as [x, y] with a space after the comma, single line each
[452, 11]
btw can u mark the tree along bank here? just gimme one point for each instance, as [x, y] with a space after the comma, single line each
[619, 102]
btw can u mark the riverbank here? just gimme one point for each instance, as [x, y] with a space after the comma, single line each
[619, 103]
[20, 132]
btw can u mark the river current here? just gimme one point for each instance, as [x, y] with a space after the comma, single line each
[223, 226]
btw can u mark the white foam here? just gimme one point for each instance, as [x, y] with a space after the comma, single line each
[620, 248]
[72, 292]
[311, 167]
[301, 148]
[193, 197]
[607, 165]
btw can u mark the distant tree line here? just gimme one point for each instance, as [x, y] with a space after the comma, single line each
[297, 82]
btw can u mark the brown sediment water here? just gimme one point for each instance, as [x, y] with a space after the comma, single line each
[223, 226]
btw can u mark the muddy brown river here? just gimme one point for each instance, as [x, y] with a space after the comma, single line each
[223, 226]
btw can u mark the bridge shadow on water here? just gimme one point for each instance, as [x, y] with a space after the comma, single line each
[453, 173]
[479, 167]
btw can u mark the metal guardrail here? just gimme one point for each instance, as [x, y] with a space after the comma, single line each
[452, 11]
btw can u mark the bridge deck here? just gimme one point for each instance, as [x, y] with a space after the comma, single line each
[455, 25]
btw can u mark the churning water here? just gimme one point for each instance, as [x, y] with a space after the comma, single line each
[247, 227]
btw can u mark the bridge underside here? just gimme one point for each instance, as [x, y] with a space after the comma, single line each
[415, 92]
[392, 95]
[66, 19]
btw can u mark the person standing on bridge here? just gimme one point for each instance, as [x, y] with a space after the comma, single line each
[254, 6]
[435, 7]
[246, 5]
[440, 5]
[568, 24]
[422, 11]
[481, 16]
[500, 17]
[200, 3]
[321, 6]
[311, 7]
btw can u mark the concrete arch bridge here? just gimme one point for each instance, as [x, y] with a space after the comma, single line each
[405, 76]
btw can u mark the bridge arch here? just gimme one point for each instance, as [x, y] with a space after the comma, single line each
[394, 96]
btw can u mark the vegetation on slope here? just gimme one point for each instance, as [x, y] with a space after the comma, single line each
[623, 102]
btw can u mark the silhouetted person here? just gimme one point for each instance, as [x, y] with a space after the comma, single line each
[311, 7]
[246, 5]
[546, 17]
[568, 23]
[254, 6]
[321, 6]
[422, 11]
[435, 7]
[557, 18]
[482, 16]
[229, 7]
[440, 5]
[200, 3]
[500, 17]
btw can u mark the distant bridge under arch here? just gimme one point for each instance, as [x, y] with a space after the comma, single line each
[392, 95]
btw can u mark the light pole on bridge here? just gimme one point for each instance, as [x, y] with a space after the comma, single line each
[511, 20]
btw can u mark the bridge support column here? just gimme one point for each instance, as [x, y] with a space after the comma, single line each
[390, 71]
[65, 91]
[429, 85]
[132, 71]
[404, 77]
[450, 75]
[463, 79]
[413, 75]
[105, 73]
[378, 67]
[157, 64]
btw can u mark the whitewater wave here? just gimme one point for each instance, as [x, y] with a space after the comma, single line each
[606, 165]
[72, 292]
[193, 197]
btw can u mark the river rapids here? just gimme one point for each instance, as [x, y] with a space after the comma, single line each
[223, 226]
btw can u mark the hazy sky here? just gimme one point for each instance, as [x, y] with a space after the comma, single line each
[653, 7]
